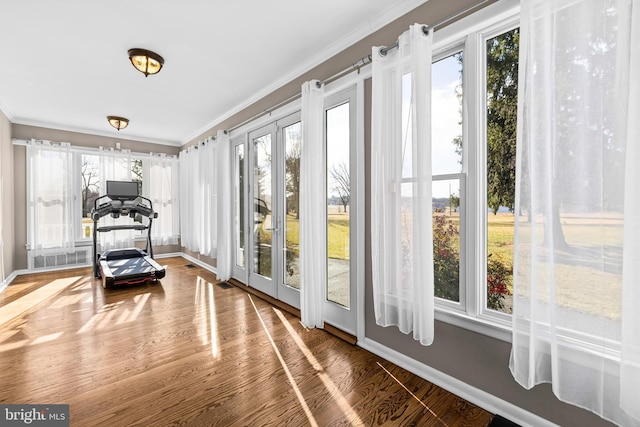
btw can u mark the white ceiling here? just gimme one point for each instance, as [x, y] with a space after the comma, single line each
[64, 64]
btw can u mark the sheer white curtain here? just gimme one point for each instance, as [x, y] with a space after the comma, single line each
[402, 235]
[163, 181]
[576, 254]
[50, 195]
[224, 262]
[313, 272]
[198, 198]
[114, 166]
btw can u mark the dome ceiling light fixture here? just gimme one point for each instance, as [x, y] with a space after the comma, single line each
[118, 122]
[145, 61]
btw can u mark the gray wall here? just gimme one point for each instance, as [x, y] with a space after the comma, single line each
[19, 204]
[6, 204]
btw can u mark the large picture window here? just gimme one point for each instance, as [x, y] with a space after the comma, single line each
[87, 171]
[474, 114]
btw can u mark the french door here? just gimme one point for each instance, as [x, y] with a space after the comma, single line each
[266, 220]
[266, 227]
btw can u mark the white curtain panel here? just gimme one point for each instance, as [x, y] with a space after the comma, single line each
[50, 194]
[163, 189]
[401, 224]
[187, 211]
[114, 166]
[313, 267]
[630, 359]
[224, 262]
[198, 198]
[576, 293]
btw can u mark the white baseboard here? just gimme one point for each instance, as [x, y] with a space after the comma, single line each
[199, 263]
[472, 394]
[168, 255]
[7, 281]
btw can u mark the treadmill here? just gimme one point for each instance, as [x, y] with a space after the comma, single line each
[124, 266]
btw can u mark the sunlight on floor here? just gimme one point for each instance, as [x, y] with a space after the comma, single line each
[413, 395]
[205, 316]
[22, 343]
[293, 383]
[116, 313]
[334, 391]
[32, 299]
[130, 316]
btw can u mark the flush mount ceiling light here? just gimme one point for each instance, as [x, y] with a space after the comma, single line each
[145, 61]
[118, 122]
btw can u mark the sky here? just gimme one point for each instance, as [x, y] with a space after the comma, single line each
[445, 128]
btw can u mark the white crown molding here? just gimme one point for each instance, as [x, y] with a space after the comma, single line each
[107, 134]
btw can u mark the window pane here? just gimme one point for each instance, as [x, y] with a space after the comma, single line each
[263, 227]
[239, 204]
[502, 99]
[407, 124]
[292, 142]
[137, 176]
[338, 201]
[446, 115]
[446, 239]
[90, 173]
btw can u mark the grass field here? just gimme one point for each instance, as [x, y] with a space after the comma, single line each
[579, 278]
[338, 235]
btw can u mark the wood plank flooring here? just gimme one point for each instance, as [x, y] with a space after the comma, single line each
[186, 351]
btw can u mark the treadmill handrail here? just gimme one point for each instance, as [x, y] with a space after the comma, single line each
[107, 228]
[118, 207]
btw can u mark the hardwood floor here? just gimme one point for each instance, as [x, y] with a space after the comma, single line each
[187, 351]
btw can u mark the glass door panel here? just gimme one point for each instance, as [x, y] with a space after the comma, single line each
[239, 222]
[338, 205]
[340, 188]
[292, 142]
[262, 212]
[261, 218]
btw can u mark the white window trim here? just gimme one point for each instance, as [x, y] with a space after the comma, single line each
[469, 35]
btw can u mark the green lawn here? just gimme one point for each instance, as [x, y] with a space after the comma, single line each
[578, 284]
[338, 235]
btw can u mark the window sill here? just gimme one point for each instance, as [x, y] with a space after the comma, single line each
[493, 328]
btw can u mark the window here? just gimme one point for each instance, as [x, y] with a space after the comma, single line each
[474, 115]
[85, 172]
[502, 99]
[92, 182]
[448, 180]
[90, 190]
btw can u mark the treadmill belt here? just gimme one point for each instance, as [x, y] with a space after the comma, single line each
[129, 266]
